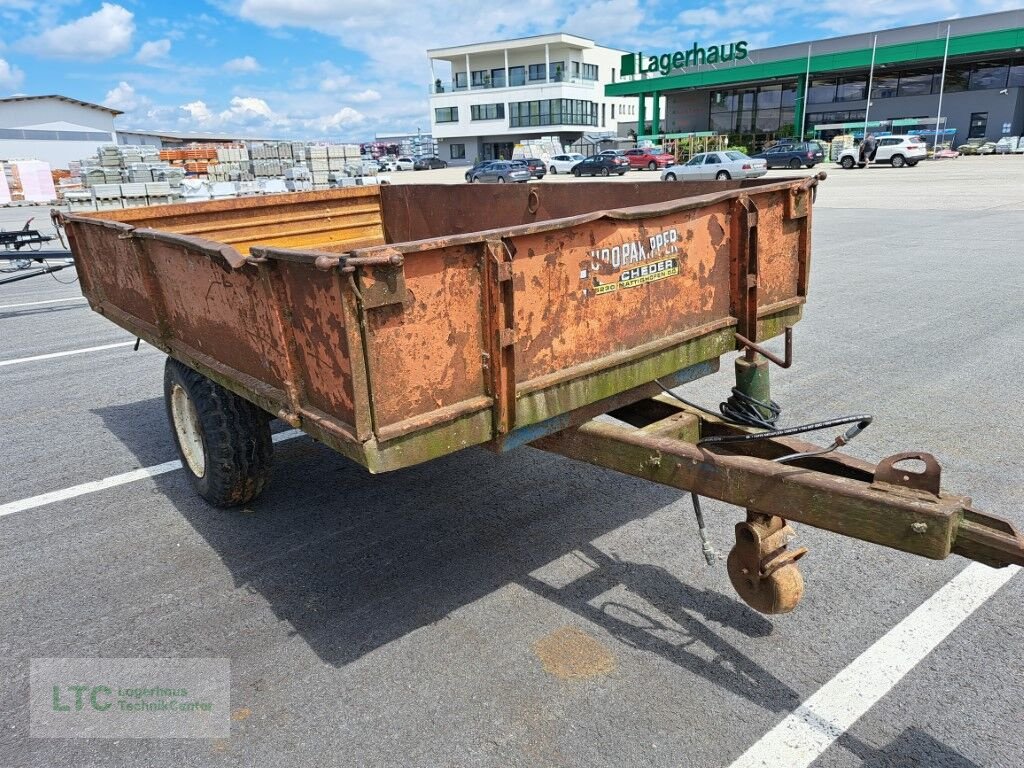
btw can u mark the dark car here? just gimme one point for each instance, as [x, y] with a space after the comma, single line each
[428, 163]
[793, 155]
[501, 172]
[601, 165]
[537, 167]
[478, 167]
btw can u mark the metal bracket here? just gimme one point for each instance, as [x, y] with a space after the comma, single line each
[381, 278]
[783, 362]
[927, 481]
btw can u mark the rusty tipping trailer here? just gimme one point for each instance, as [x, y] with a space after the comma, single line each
[402, 323]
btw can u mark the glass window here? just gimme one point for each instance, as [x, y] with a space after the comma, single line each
[767, 120]
[723, 101]
[446, 115]
[497, 78]
[479, 76]
[460, 79]
[487, 112]
[517, 75]
[769, 97]
[979, 125]
[916, 82]
[822, 90]
[957, 77]
[723, 122]
[457, 151]
[852, 89]
[712, 159]
[557, 71]
[696, 160]
[788, 95]
[885, 85]
[590, 72]
[575, 68]
[988, 75]
[1016, 74]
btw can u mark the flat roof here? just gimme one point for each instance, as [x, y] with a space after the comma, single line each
[68, 99]
[193, 136]
[1002, 31]
[553, 38]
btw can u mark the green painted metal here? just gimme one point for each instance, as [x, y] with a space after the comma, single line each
[984, 42]
[800, 107]
[641, 115]
[656, 114]
[752, 379]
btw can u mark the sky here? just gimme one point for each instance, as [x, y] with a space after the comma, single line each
[345, 70]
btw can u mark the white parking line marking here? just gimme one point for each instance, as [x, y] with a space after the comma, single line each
[124, 478]
[37, 303]
[804, 735]
[52, 355]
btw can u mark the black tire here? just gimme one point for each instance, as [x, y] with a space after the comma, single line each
[501, 179]
[670, 177]
[722, 176]
[554, 171]
[652, 166]
[911, 163]
[794, 164]
[898, 161]
[576, 172]
[847, 162]
[605, 172]
[444, 165]
[234, 467]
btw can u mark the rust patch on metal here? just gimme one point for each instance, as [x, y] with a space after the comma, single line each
[569, 653]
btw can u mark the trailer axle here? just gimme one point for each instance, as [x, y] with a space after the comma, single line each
[887, 504]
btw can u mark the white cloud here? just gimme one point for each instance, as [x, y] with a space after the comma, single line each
[153, 51]
[364, 96]
[198, 112]
[242, 64]
[346, 117]
[122, 96]
[10, 77]
[100, 35]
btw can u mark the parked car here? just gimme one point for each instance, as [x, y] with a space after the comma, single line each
[478, 167]
[564, 163]
[392, 163]
[428, 163]
[612, 152]
[897, 151]
[501, 172]
[536, 166]
[792, 155]
[651, 158]
[720, 166]
[601, 165]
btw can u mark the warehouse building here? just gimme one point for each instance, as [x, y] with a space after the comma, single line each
[973, 65]
[54, 129]
[487, 97]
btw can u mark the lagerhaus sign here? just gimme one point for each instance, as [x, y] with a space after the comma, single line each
[638, 63]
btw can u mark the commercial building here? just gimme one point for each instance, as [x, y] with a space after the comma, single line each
[974, 64]
[55, 129]
[487, 97]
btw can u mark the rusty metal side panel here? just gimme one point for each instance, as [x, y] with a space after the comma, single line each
[115, 274]
[316, 310]
[591, 291]
[425, 357]
[222, 312]
[780, 248]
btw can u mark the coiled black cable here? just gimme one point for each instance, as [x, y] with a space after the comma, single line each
[741, 408]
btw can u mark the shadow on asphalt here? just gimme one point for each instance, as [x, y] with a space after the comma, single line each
[353, 561]
[912, 749]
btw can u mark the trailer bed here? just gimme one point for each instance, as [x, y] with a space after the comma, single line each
[401, 323]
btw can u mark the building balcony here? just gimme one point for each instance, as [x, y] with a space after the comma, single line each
[450, 87]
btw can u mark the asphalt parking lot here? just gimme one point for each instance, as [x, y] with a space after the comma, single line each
[526, 610]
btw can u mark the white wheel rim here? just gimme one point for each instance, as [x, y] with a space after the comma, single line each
[186, 426]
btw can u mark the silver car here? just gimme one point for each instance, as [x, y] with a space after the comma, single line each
[501, 172]
[716, 166]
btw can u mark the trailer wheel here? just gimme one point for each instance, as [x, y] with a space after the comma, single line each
[223, 439]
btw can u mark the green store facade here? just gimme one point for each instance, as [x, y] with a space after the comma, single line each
[773, 92]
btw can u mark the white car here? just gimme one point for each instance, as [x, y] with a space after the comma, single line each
[564, 163]
[897, 151]
[390, 163]
[716, 166]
